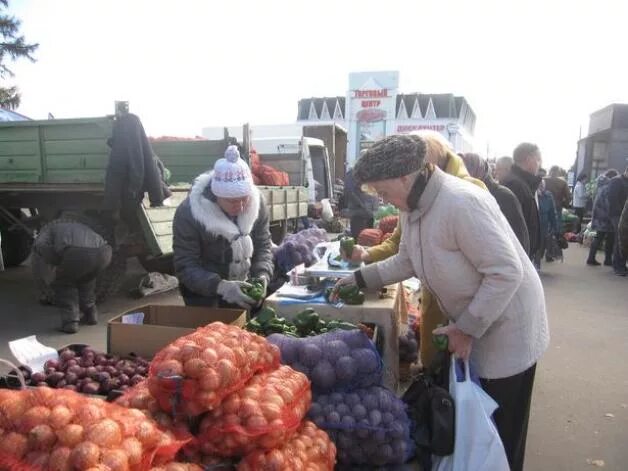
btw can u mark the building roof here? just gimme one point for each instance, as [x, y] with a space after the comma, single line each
[8, 115]
[445, 106]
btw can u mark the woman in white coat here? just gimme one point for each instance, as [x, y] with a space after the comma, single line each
[456, 240]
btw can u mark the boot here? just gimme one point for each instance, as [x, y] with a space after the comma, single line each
[87, 302]
[66, 300]
[90, 314]
[595, 243]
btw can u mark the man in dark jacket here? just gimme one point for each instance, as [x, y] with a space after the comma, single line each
[523, 181]
[601, 222]
[507, 201]
[361, 206]
[617, 196]
[79, 255]
[221, 236]
[622, 235]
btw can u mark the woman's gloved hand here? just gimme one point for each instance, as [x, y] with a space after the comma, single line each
[231, 292]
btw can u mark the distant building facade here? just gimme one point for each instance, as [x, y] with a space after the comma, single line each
[606, 145]
[373, 108]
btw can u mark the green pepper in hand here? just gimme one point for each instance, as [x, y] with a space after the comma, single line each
[256, 291]
[346, 246]
[441, 341]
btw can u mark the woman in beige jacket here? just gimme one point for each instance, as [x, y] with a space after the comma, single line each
[458, 243]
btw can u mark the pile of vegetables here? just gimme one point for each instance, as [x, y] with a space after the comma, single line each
[261, 415]
[370, 237]
[408, 347]
[194, 373]
[338, 360]
[91, 372]
[307, 323]
[348, 294]
[309, 449]
[298, 248]
[369, 426]
[43, 428]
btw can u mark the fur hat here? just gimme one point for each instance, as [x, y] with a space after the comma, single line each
[232, 177]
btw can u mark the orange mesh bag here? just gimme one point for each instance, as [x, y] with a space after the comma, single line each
[139, 397]
[370, 237]
[254, 160]
[194, 373]
[310, 449]
[271, 176]
[175, 466]
[388, 224]
[263, 414]
[51, 429]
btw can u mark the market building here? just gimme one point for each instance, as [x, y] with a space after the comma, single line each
[606, 145]
[374, 108]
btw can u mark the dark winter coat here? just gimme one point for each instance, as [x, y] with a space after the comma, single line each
[209, 246]
[600, 218]
[559, 190]
[56, 237]
[547, 213]
[617, 195]
[524, 185]
[623, 230]
[511, 208]
[132, 169]
[359, 203]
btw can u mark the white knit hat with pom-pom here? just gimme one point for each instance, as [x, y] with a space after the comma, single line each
[232, 176]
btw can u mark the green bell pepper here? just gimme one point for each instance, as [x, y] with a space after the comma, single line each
[306, 321]
[346, 246]
[351, 295]
[441, 341]
[256, 290]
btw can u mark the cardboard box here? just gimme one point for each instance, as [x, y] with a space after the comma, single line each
[161, 325]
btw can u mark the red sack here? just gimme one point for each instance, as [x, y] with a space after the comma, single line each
[370, 237]
[309, 449]
[271, 176]
[255, 161]
[194, 373]
[388, 224]
[57, 429]
[261, 415]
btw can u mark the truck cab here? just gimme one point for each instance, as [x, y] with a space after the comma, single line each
[304, 159]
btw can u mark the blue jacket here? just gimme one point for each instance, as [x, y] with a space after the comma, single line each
[601, 220]
[547, 213]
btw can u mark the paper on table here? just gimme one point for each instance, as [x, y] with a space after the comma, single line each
[133, 318]
[30, 352]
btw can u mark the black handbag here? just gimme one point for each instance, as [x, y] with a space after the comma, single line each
[431, 408]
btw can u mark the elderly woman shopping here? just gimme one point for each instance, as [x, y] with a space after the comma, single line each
[458, 242]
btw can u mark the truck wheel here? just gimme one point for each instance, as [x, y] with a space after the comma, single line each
[107, 283]
[16, 244]
[164, 264]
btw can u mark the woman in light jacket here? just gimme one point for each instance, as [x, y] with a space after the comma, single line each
[458, 243]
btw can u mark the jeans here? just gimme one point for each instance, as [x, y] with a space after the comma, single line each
[600, 237]
[580, 213]
[619, 259]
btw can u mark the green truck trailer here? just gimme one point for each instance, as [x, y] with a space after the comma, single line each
[49, 167]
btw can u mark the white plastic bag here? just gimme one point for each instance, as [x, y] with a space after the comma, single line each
[327, 213]
[477, 446]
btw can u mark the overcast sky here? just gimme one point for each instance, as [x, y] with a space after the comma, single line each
[531, 70]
